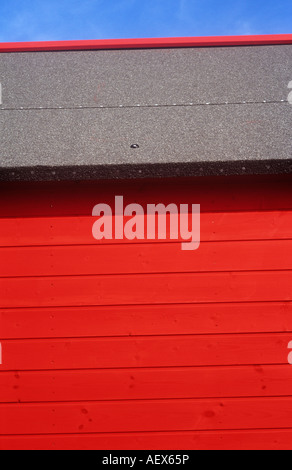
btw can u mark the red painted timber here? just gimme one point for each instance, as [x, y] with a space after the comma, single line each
[262, 439]
[174, 351]
[220, 226]
[70, 322]
[146, 43]
[142, 259]
[222, 372]
[146, 289]
[134, 384]
[123, 416]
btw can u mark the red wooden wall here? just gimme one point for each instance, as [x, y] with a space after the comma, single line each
[126, 345]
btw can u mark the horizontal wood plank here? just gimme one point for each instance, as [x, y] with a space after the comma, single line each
[146, 289]
[220, 226]
[148, 258]
[146, 415]
[133, 384]
[264, 439]
[190, 350]
[146, 320]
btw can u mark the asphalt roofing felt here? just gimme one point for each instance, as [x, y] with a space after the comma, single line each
[145, 112]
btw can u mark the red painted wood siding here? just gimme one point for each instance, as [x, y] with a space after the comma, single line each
[126, 345]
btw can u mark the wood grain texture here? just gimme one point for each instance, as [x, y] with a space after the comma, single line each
[132, 345]
[263, 439]
[134, 384]
[133, 320]
[146, 289]
[137, 416]
[92, 353]
[145, 259]
[215, 226]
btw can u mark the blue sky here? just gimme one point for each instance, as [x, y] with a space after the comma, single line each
[35, 20]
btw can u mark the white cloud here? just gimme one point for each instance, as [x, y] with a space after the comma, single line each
[245, 28]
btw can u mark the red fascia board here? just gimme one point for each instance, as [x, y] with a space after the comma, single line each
[146, 43]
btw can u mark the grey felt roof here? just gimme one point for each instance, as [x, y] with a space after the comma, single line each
[201, 110]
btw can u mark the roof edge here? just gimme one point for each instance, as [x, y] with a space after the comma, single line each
[146, 43]
[140, 171]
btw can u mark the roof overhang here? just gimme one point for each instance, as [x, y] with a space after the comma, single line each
[159, 107]
[147, 43]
